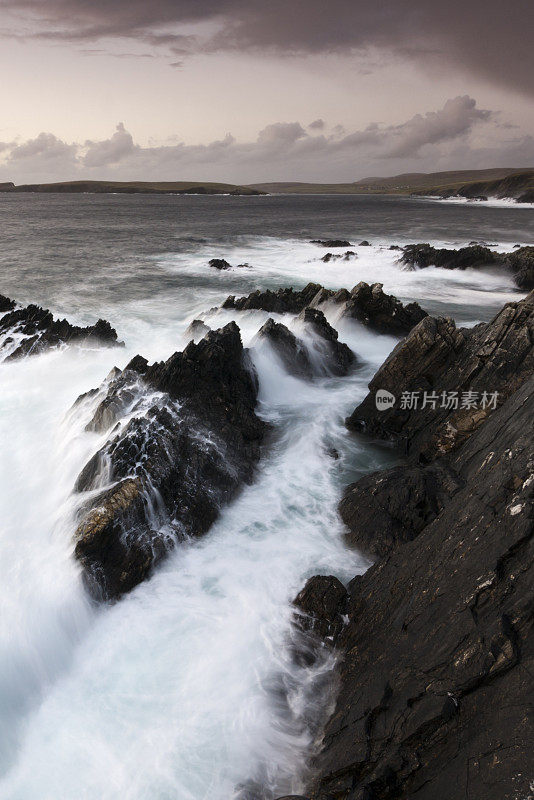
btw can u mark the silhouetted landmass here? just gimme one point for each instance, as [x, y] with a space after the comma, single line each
[130, 187]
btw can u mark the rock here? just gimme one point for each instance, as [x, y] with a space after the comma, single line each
[40, 331]
[219, 263]
[338, 357]
[387, 508]
[6, 304]
[437, 656]
[367, 304]
[526, 197]
[321, 606]
[438, 358]
[172, 468]
[383, 312]
[197, 330]
[291, 351]
[472, 257]
[331, 242]
[521, 264]
[347, 256]
[394, 247]
[364, 243]
[282, 301]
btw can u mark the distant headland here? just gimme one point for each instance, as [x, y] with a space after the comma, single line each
[513, 183]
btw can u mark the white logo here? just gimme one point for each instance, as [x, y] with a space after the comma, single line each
[384, 399]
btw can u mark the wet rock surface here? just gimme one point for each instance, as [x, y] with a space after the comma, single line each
[437, 650]
[521, 264]
[478, 367]
[336, 356]
[473, 256]
[435, 676]
[321, 607]
[291, 350]
[219, 263]
[370, 305]
[366, 303]
[166, 473]
[36, 330]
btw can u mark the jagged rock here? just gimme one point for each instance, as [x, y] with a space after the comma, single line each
[219, 263]
[383, 312]
[387, 508]
[122, 392]
[521, 264]
[6, 304]
[338, 357]
[472, 257]
[170, 470]
[347, 256]
[437, 656]
[331, 242]
[42, 332]
[197, 330]
[280, 302]
[365, 243]
[291, 351]
[321, 606]
[436, 357]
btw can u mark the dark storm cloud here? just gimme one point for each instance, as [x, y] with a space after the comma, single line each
[485, 37]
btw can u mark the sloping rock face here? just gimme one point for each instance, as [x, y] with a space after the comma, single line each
[38, 330]
[464, 374]
[435, 676]
[366, 303]
[166, 473]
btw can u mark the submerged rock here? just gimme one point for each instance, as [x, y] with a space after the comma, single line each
[465, 374]
[347, 256]
[197, 330]
[38, 331]
[331, 242]
[165, 475]
[321, 606]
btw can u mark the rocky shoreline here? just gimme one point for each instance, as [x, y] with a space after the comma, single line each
[435, 639]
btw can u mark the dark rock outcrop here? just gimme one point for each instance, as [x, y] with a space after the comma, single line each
[219, 263]
[39, 331]
[321, 606]
[366, 303]
[435, 697]
[370, 305]
[331, 242]
[476, 368]
[283, 301]
[385, 509]
[6, 304]
[348, 255]
[337, 358]
[364, 243]
[521, 264]
[166, 473]
[472, 257]
[291, 351]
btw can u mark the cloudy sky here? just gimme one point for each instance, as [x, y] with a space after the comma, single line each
[259, 90]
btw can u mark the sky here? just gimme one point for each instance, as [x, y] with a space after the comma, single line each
[249, 91]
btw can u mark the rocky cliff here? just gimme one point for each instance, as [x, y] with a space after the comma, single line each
[435, 639]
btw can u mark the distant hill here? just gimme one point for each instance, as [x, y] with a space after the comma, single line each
[131, 187]
[408, 183]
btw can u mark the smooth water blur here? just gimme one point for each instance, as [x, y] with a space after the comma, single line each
[186, 688]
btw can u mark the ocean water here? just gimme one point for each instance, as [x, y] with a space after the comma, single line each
[186, 688]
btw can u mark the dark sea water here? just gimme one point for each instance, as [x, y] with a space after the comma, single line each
[174, 692]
